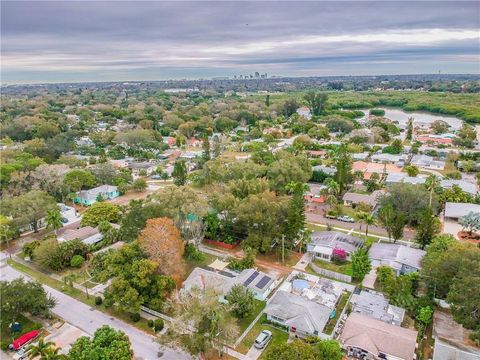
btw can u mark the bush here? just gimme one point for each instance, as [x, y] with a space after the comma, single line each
[57, 256]
[98, 300]
[150, 323]
[191, 253]
[135, 317]
[158, 325]
[77, 261]
[29, 248]
[377, 112]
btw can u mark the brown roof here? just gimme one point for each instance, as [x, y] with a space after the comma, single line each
[377, 337]
[82, 233]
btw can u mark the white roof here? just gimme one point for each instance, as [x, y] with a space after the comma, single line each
[457, 210]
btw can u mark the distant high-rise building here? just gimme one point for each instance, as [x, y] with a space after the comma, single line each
[257, 74]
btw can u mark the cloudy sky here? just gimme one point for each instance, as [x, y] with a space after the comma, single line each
[132, 40]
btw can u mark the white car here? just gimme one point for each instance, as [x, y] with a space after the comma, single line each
[346, 218]
[262, 339]
[22, 353]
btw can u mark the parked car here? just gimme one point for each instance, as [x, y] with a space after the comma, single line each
[262, 339]
[64, 220]
[156, 177]
[328, 216]
[21, 354]
[346, 218]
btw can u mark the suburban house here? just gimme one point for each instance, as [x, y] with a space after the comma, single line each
[404, 178]
[360, 156]
[398, 159]
[352, 199]
[444, 139]
[451, 339]
[315, 194]
[88, 235]
[427, 162]
[468, 187]
[304, 303]
[445, 183]
[302, 316]
[304, 112]
[364, 337]
[455, 211]
[374, 304]
[368, 168]
[144, 168]
[222, 280]
[316, 153]
[401, 258]
[325, 169]
[324, 242]
[89, 197]
[194, 142]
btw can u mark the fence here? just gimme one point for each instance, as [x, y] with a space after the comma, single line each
[331, 274]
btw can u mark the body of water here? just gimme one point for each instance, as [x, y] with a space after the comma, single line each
[420, 116]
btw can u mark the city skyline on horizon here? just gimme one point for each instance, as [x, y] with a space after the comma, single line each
[52, 42]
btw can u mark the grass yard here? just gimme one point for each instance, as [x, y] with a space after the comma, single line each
[338, 311]
[345, 268]
[243, 323]
[279, 336]
[192, 264]
[7, 336]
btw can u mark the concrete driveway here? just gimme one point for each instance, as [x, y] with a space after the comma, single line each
[88, 319]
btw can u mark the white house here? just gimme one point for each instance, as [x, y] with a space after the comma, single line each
[401, 258]
[324, 242]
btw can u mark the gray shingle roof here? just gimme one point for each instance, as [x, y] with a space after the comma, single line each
[397, 253]
[335, 239]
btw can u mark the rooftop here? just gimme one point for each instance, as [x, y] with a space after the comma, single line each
[375, 304]
[336, 239]
[398, 253]
[457, 210]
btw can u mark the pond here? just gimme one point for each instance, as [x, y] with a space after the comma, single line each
[418, 116]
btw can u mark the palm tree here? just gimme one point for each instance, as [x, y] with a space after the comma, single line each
[333, 188]
[368, 219]
[432, 183]
[54, 220]
[53, 354]
[39, 349]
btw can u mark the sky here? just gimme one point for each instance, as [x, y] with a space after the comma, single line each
[76, 41]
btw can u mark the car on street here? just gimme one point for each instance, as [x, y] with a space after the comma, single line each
[262, 339]
[346, 218]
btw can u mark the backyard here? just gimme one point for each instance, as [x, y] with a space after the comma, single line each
[338, 311]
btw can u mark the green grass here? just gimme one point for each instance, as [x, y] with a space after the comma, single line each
[338, 311]
[245, 322]
[7, 336]
[345, 268]
[278, 336]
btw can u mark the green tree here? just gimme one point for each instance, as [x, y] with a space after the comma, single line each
[28, 209]
[206, 149]
[329, 350]
[343, 164]
[428, 226]
[295, 221]
[242, 300]
[455, 194]
[368, 219]
[39, 349]
[20, 296]
[139, 185]
[7, 230]
[106, 343]
[54, 220]
[76, 180]
[361, 265]
[179, 173]
[411, 170]
[432, 183]
[296, 349]
[471, 221]
[316, 102]
[101, 211]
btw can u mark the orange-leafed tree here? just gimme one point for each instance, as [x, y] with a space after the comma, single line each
[162, 242]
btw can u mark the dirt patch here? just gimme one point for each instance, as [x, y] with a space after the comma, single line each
[469, 237]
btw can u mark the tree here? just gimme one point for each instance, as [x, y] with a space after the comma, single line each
[432, 183]
[76, 180]
[361, 265]
[439, 127]
[296, 349]
[19, 296]
[29, 208]
[202, 323]
[206, 149]
[397, 225]
[50, 178]
[39, 349]
[368, 219]
[343, 164]
[139, 185]
[162, 242]
[332, 187]
[101, 211]
[54, 220]
[424, 317]
[316, 102]
[411, 170]
[179, 173]
[242, 300]
[329, 350]
[455, 194]
[295, 221]
[409, 129]
[106, 343]
[471, 221]
[7, 230]
[289, 107]
[428, 226]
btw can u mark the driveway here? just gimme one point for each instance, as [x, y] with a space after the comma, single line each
[88, 319]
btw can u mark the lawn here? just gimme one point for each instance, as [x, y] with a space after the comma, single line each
[338, 311]
[192, 264]
[345, 268]
[7, 336]
[279, 336]
[243, 323]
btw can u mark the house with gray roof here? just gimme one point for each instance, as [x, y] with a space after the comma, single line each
[398, 159]
[395, 178]
[302, 316]
[353, 199]
[427, 162]
[401, 258]
[323, 243]
[375, 304]
[325, 169]
[88, 197]
[457, 210]
[87, 234]
[466, 186]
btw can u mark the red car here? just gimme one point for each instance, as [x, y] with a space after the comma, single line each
[24, 339]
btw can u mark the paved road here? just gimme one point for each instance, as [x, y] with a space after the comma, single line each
[88, 319]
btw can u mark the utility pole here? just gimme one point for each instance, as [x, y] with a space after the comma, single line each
[283, 249]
